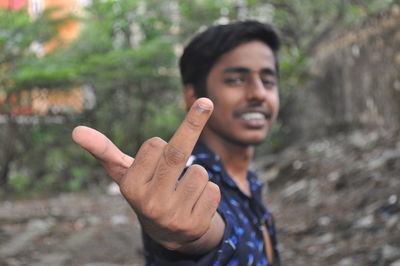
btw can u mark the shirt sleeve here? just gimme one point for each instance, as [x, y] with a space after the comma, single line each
[156, 254]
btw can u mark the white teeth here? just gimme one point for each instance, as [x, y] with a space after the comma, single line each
[253, 116]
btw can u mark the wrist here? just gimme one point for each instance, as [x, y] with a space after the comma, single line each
[209, 240]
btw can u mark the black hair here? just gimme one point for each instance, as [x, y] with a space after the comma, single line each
[205, 49]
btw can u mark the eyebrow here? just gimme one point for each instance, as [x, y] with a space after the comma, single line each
[245, 70]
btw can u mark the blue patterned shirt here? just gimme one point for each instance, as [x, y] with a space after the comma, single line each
[243, 242]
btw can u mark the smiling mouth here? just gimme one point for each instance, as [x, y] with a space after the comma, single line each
[255, 119]
[253, 116]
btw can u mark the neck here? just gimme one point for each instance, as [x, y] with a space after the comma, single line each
[236, 158]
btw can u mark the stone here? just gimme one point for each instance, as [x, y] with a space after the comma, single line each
[101, 264]
[54, 259]
[35, 229]
[365, 222]
[324, 221]
[345, 262]
[119, 219]
[294, 188]
[390, 252]
[396, 263]
[324, 239]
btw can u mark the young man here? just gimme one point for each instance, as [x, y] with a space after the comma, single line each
[212, 214]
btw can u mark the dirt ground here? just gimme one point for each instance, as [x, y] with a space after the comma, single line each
[335, 200]
[70, 229]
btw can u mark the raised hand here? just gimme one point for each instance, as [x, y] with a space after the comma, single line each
[177, 214]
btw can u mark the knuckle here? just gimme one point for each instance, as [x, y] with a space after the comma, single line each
[213, 188]
[199, 172]
[152, 210]
[176, 223]
[149, 151]
[193, 123]
[196, 178]
[173, 156]
[126, 190]
[154, 143]
[175, 226]
[189, 189]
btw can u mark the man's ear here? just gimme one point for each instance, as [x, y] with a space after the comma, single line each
[189, 95]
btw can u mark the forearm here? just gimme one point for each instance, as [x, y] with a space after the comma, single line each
[209, 240]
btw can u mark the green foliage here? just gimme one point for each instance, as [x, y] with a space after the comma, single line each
[19, 182]
[127, 53]
[43, 75]
[19, 66]
[18, 31]
[162, 122]
[78, 178]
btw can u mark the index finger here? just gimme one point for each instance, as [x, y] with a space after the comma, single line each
[179, 148]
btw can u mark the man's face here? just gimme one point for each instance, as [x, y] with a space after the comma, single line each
[243, 87]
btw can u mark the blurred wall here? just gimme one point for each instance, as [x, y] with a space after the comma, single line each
[355, 80]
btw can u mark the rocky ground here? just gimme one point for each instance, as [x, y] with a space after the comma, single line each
[70, 229]
[336, 202]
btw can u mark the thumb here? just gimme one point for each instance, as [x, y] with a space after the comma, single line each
[113, 159]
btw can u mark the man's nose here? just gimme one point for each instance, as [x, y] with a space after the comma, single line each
[255, 88]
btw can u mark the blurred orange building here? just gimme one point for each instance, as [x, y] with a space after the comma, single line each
[68, 31]
[12, 4]
[42, 101]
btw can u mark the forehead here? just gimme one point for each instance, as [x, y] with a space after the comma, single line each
[254, 55]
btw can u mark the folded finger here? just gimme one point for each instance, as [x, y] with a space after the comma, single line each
[208, 202]
[190, 187]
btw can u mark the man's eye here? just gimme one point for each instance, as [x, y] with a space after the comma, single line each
[268, 83]
[234, 81]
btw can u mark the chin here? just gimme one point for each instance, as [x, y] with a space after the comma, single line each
[253, 137]
[253, 141]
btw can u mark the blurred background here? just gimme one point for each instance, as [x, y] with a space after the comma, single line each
[331, 165]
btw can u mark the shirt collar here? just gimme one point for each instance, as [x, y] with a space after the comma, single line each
[201, 153]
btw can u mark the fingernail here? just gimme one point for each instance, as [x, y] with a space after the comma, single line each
[202, 108]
